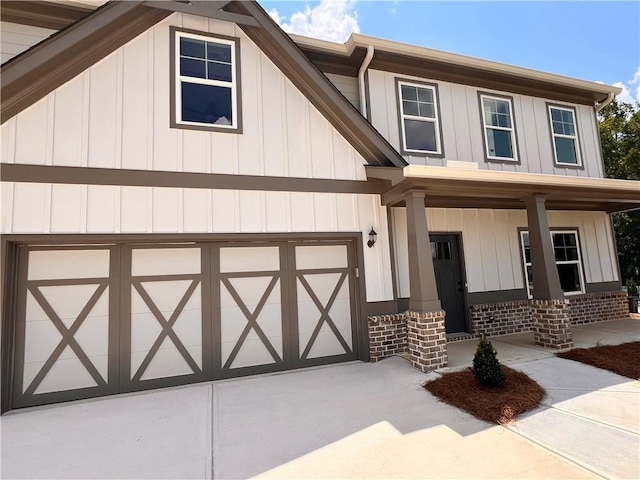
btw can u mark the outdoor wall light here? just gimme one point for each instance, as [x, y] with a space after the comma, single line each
[373, 236]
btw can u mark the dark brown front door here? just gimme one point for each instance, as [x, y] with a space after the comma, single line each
[445, 252]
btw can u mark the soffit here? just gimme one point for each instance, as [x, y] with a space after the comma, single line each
[463, 188]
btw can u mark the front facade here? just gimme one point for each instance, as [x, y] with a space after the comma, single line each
[198, 197]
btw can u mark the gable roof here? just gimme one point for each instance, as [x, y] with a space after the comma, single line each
[35, 73]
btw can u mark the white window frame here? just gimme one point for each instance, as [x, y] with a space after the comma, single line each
[559, 135]
[232, 85]
[512, 130]
[564, 262]
[435, 120]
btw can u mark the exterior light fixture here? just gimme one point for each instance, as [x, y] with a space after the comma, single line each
[373, 236]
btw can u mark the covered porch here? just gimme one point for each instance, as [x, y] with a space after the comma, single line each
[548, 310]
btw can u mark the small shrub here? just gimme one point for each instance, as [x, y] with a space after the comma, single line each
[486, 367]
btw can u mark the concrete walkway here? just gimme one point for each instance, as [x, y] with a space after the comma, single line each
[353, 420]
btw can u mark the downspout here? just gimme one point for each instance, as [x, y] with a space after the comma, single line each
[363, 68]
[609, 99]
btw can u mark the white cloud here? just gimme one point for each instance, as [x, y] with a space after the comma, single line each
[332, 20]
[630, 89]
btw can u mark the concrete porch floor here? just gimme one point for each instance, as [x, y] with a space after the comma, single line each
[521, 348]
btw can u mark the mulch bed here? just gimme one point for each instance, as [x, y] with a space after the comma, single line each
[518, 394]
[622, 359]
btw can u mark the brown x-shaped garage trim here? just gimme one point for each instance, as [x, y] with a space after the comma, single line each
[252, 321]
[67, 336]
[324, 315]
[167, 328]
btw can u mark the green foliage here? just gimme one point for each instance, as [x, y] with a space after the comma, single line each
[620, 137]
[486, 367]
[632, 288]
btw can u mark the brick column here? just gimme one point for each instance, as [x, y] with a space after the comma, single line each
[551, 323]
[387, 335]
[426, 340]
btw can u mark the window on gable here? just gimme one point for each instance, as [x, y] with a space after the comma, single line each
[568, 262]
[420, 124]
[206, 82]
[499, 130]
[565, 136]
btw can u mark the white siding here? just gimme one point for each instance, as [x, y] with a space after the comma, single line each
[462, 129]
[492, 248]
[116, 115]
[348, 86]
[47, 208]
[16, 38]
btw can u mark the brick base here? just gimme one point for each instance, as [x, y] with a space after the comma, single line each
[551, 323]
[598, 307]
[387, 335]
[505, 318]
[426, 340]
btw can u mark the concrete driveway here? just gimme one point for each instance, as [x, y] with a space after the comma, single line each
[353, 420]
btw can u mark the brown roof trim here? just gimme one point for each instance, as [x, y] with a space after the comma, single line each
[51, 63]
[333, 62]
[42, 14]
[283, 51]
[11, 172]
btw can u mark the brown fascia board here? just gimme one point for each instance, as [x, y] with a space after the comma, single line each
[35, 73]
[331, 62]
[42, 14]
[283, 51]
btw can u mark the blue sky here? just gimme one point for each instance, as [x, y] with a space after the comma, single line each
[591, 40]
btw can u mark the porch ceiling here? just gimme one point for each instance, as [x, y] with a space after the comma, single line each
[469, 188]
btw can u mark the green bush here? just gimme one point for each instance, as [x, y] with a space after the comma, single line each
[632, 288]
[486, 367]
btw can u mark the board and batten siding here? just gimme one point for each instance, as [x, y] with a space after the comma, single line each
[492, 247]
[116, 115]
[348, 87]
[16, 38]
[462, 130]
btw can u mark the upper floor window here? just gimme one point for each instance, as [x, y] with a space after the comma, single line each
[566, 248]
[499, 128]
[564, 133]
[206, 83]
[419, 122]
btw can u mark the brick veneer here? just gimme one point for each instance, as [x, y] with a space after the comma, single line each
[426, 340]
[551, 323]
[387, 335]
[505, 318]
[597, 307]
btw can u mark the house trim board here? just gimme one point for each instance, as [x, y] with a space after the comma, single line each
[42, 14]
[153, 178]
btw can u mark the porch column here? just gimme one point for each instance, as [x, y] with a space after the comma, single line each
[550, 315]
[426, 340]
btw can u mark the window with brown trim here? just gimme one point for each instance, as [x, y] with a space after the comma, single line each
[499, 128]
[420, 123]
[206, 83]
[564, 133]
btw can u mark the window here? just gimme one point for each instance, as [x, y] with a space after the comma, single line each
[567, 252]
[565, 136]
[206, 82]
[499, 130]
[419, 118]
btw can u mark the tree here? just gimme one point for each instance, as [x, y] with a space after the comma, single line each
[486, 367]
[620, 137]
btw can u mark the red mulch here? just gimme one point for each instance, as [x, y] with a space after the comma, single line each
[622, 359]
[518, 394]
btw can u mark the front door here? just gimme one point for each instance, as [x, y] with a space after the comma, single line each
[446, 263]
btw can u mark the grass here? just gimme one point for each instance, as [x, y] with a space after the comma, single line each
[501, 405]
[623, 359]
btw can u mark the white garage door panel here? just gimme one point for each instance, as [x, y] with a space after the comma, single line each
[99, 320]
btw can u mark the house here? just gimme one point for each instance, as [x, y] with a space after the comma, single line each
[190, 194]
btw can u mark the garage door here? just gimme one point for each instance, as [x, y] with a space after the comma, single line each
[98, 320]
